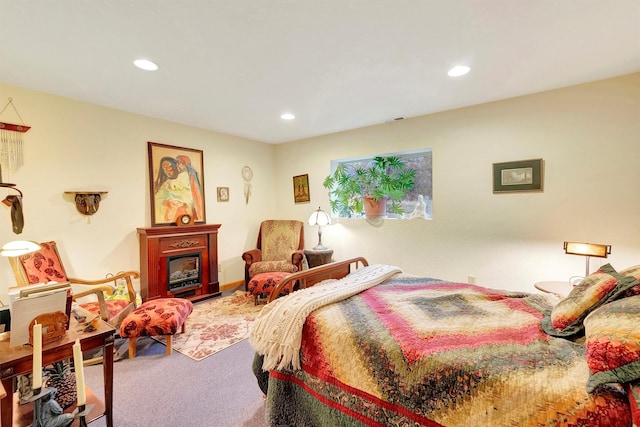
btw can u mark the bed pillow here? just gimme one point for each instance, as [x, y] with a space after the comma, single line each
[566, 317]
[635, 272]
[633, 393]
[612, 340]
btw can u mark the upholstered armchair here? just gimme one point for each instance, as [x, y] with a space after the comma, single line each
[280, 248]
[111, 302]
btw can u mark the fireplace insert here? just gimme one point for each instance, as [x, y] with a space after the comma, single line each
[183, 271]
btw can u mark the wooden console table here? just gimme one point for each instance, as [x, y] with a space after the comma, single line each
[19, 361]
[158, 245]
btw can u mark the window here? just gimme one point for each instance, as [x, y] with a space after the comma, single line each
[420, 160]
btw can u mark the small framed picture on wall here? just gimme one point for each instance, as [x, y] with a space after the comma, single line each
[223, 194]
[517, 176]
[301, 188]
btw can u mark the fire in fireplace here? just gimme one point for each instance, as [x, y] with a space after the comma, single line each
[183, 271]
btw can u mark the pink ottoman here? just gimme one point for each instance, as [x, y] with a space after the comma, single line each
[261, 285]
[161, 316]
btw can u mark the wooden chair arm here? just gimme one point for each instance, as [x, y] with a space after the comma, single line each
[93, 290]
[296, 258]
[108, 289]
[126, 274]
[99, 291]
[251, 256]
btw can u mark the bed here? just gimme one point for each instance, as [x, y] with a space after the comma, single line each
[402, 350]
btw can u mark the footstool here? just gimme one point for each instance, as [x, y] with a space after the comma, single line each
[161, 316]
[261, 285]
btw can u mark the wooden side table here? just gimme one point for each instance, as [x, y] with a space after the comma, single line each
[316, 257]
[557, 287]
[19, 361]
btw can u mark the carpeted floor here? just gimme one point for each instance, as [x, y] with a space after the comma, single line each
[157, 390]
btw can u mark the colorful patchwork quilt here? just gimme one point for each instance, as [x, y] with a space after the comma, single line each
[416, 351]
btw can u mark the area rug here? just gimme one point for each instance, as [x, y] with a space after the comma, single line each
[215, 325]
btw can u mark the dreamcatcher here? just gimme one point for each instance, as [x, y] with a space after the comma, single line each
[247, 175]
[11, 143]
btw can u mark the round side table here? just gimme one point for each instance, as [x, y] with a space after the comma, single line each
[316, 258]
[557, 287]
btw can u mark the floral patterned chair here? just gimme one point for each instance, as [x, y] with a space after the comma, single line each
[280, 248]
[113, 303]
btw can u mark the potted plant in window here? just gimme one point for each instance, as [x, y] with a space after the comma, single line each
[366, 187]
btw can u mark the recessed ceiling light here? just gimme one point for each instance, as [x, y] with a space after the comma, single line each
[145, 64]
[287, 116]
[458, 70]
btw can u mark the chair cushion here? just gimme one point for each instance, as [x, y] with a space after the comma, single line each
[262, 284]
[162, 316]
[44, 265]
[113, 307]
[262, 267]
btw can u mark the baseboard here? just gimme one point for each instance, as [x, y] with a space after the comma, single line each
[231, 285]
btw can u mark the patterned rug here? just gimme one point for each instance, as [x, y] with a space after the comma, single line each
[215, 325]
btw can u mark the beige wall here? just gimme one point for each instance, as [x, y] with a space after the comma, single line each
[589, 138]
[588, 135]
[77, 145]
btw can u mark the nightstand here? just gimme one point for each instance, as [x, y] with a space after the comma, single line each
[316, 258]
[557, 287]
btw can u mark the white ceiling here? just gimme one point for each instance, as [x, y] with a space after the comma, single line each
[234, 66]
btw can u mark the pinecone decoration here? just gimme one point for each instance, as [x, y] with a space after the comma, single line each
[63, 380]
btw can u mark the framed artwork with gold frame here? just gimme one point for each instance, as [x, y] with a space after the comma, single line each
[176, 179]
[301, 188]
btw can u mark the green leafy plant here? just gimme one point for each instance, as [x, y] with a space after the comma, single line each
[380, 178]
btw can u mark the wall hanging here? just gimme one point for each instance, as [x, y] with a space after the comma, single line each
[176, 176]
[521, 175]
[247, 176]
[87, 201]
[11, 142]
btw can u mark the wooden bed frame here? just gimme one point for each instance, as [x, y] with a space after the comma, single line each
[308, 278]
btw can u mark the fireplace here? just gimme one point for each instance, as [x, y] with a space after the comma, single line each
[179, 262]
[183, 271]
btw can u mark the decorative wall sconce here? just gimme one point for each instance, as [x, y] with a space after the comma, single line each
[87, 202]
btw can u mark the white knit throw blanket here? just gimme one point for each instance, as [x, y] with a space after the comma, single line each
[277, 332]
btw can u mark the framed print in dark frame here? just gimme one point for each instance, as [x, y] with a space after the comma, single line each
[301, 188]
[176, 178]
[517, 176]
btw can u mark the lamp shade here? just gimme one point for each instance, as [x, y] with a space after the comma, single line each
[587, 249]
[19, 247]
[319, 217]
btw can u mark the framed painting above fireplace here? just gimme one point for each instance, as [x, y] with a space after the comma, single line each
[176, 178]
